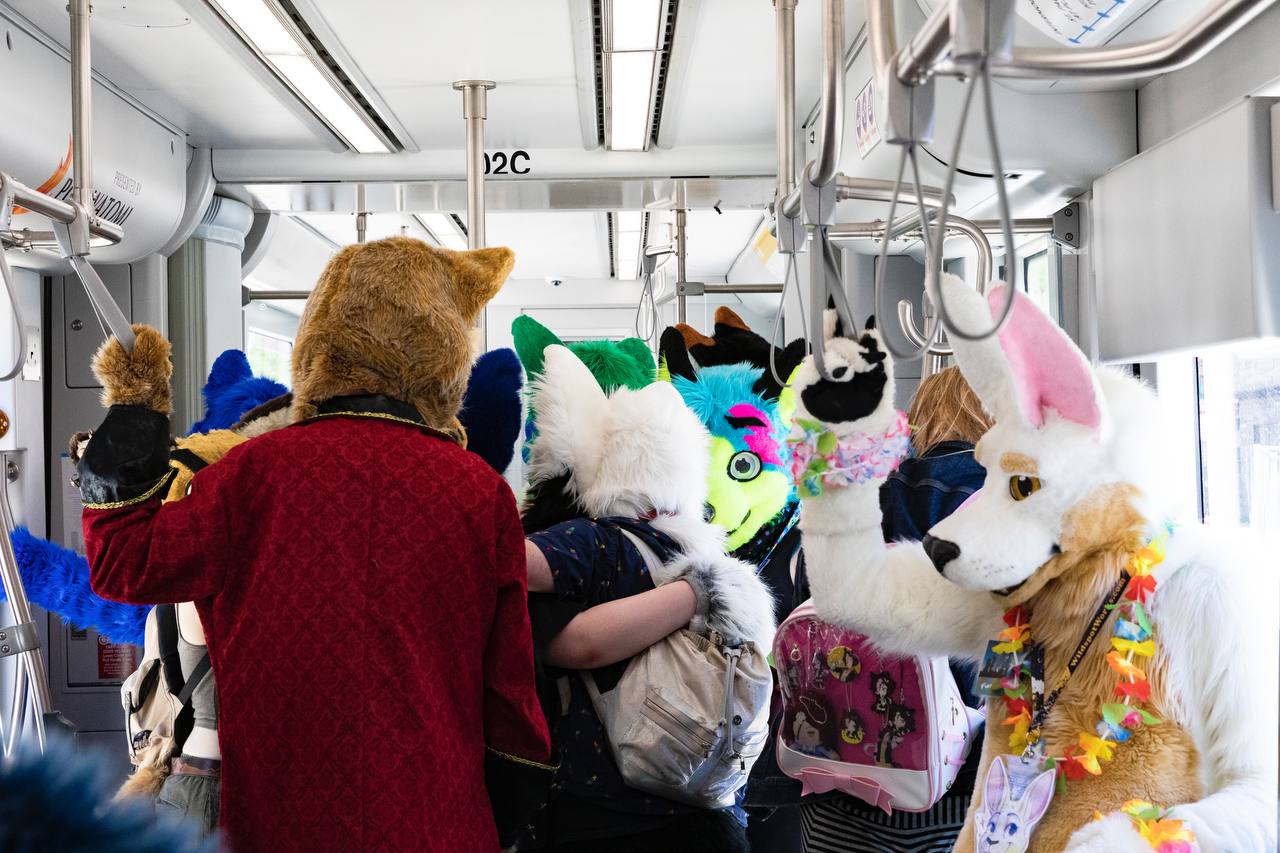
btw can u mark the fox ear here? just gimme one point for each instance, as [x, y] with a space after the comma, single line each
[478, 275]
[531, 341]
[675, 355]
[638, 351]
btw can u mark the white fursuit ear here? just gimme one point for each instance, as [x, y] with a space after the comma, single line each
[570, 410]
[983, 363]
[1031, 370]
[653, 456]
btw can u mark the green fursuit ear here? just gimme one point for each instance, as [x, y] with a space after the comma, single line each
[531, 341]
[639, 352]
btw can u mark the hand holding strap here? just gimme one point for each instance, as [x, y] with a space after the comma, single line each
[139, 377]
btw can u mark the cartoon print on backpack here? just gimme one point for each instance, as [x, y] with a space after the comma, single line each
[882, 685]
[818, 670]
[811, 725]
[1003, 824]
[899, 721]
[852, 730]
[843, 663]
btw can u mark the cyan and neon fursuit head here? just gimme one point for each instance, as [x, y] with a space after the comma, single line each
[727, 381]
[636, 454]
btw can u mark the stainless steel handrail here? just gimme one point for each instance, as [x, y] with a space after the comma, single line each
[785, 18]
[831, 138]
[876, 230]
[57, 209]
[877, 189]
[1206, 31]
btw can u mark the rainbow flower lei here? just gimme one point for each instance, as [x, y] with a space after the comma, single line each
[1131, 638]
[1164, 833]
[819, 457]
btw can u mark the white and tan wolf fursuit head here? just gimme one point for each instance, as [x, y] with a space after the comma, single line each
[1057, 544]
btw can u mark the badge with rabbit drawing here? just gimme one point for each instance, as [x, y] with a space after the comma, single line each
[1004, 823]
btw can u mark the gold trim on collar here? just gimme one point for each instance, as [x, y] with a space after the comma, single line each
[384, 416]
[148, 494]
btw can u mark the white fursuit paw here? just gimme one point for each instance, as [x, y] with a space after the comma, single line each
[1113, 834]
[732, 600]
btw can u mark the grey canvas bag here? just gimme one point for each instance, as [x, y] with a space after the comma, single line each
[689, 717]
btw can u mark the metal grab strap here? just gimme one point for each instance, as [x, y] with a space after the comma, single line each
[73, 244]
[31, 680]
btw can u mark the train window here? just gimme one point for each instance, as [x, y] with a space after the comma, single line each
[1040, 276]
[269, 355]
[1239, 407]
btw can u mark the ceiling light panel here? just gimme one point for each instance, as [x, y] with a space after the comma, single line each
[630, 100]
[280, 46]
[628, 228]
[441, 226]
[634, 24]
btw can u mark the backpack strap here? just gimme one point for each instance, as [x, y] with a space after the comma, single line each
[167, 641]
[198, 674]
[188, 458]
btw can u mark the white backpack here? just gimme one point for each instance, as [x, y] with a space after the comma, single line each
[157, 703]
[690, 715]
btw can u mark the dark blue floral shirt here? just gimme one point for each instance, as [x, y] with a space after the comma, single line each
[593, 562]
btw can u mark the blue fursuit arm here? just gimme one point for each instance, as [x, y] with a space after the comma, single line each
[57, 579]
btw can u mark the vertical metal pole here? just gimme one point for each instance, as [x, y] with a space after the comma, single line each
[681, 258]
[362, 215]
[21, 610]
[785, 17]
[81, 105]
[474, 112]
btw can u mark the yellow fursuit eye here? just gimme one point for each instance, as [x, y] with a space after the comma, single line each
[1022, 488]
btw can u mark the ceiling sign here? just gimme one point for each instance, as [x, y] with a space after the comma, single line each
[1079, 23]
[865, 129]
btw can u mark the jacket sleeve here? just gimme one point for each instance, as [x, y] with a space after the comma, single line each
[517, 772]
[140, 551]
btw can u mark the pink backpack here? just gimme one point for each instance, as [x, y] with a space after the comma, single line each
[891, 731]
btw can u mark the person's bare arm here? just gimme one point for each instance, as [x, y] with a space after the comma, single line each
[617, 630]
[539, 569]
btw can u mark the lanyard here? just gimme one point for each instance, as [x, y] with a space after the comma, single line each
[1044, 704]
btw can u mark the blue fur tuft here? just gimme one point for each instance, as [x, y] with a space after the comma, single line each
[57, 579]
[491, 408]
[232, 390]
[721, 387]
[62, 801]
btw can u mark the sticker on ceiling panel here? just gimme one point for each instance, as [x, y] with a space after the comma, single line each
[865, 129]
[1080, 22]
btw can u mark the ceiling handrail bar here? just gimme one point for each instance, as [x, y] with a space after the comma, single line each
[923, 56]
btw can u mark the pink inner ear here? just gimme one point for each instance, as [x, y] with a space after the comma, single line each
[1049, 372]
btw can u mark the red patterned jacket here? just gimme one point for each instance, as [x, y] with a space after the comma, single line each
[362, 584]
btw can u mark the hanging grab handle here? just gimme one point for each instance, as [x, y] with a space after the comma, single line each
[73, 244]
